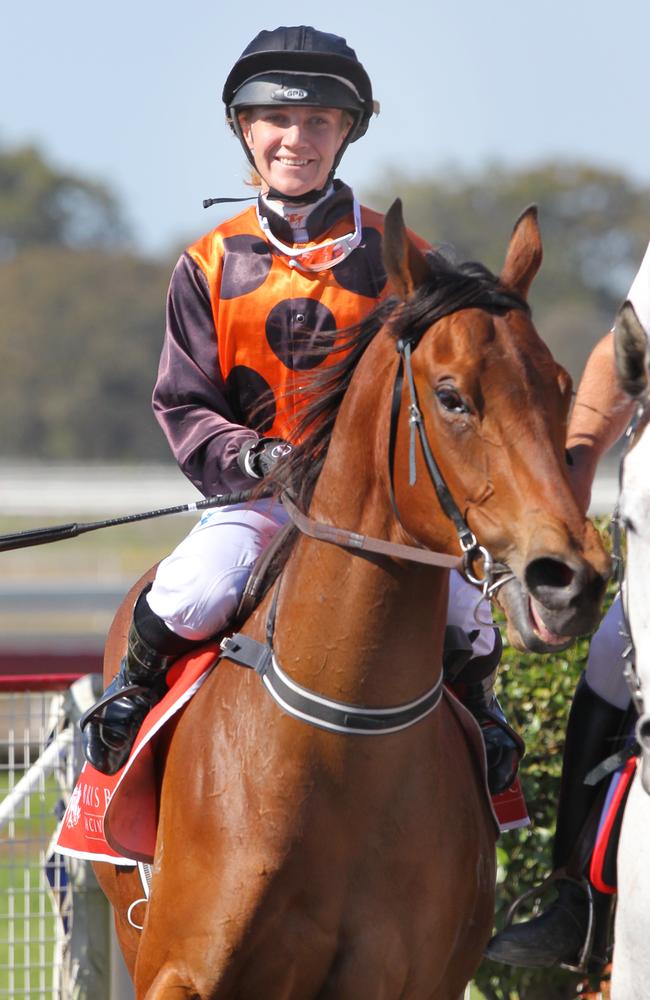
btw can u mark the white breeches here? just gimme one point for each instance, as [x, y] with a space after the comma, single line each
[604, 673]
[198, 587]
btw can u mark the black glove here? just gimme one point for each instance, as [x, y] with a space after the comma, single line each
[258, 456]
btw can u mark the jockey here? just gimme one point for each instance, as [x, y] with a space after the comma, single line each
[601, 702]
[249, 305]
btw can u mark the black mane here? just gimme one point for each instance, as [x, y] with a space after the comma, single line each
[451, 288]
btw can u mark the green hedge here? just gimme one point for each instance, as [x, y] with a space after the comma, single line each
[536, 692]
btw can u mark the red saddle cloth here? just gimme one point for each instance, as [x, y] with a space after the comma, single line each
[114, 817]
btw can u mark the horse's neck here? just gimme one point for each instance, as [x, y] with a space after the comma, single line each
[349, 626]
[348, 623]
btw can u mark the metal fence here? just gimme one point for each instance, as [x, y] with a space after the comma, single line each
[55, 926]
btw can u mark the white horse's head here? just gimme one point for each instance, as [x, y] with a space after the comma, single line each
[631, 966]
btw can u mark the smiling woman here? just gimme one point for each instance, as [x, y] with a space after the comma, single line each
[294, 148]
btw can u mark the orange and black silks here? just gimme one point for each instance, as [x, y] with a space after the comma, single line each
[236, 295]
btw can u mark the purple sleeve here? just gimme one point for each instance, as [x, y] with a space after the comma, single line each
[189, 398]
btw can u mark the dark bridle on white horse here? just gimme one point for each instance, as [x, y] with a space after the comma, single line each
[618, 530]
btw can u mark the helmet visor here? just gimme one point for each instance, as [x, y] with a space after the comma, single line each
[309, 89]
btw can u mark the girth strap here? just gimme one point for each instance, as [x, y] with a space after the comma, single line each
[325, 713]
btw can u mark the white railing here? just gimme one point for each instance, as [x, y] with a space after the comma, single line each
[55, 926]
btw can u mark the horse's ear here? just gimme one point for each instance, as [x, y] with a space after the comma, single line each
[632, 351]
[524, 254]
[406, 266]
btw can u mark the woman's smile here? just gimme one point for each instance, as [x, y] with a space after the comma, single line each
[294, 148]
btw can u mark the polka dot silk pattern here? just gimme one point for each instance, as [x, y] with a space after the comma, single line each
[253, 399]
[297, 330]
[273, 320]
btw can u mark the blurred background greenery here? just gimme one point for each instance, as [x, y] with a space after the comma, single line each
[83, 309]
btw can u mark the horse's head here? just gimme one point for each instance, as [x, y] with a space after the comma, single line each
[494, 405]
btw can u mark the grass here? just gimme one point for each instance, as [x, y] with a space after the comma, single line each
[28, 924]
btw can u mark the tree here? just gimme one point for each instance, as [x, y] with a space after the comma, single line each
[80, 338]
[595, 224]
[82, 317]
[42, 206]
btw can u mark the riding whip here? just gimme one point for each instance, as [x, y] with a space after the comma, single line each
[56, 533]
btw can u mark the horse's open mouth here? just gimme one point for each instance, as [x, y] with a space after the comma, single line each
[527, 630]
[544, 633]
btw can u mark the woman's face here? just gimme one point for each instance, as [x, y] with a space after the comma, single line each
[294, 148]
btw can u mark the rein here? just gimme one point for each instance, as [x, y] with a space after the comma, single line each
[365, 543]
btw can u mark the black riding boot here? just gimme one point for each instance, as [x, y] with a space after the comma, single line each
[110, 727]
[473, 682]
[559, 935]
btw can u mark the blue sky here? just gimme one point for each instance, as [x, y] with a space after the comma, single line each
[129, 93]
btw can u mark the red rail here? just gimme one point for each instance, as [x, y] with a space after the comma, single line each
[34, 670]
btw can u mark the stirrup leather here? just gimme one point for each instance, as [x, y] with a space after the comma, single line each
[130, 690]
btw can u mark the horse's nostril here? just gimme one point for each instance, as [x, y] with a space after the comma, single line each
[547, 572]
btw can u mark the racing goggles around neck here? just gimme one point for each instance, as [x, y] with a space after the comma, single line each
[321, 257]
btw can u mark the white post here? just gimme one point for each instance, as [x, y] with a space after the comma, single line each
[121, 985]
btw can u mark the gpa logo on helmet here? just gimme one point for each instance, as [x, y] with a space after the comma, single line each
[290, 94]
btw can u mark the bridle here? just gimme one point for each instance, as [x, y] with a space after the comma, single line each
[340, 717]
[618, 533]
[495, 574]
[630, 672]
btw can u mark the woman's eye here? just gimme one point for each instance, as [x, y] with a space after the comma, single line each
[451, 400]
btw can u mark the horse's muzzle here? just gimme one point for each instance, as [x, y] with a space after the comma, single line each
[556, 602]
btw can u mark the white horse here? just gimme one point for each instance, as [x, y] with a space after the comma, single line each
[631, 965]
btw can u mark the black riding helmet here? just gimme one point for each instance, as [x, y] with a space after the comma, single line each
[300, 65]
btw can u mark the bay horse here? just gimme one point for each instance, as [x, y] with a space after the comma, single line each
[631, 960]
[293, 862]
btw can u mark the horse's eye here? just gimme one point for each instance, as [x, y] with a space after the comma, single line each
[569, 457]
[450, 399]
